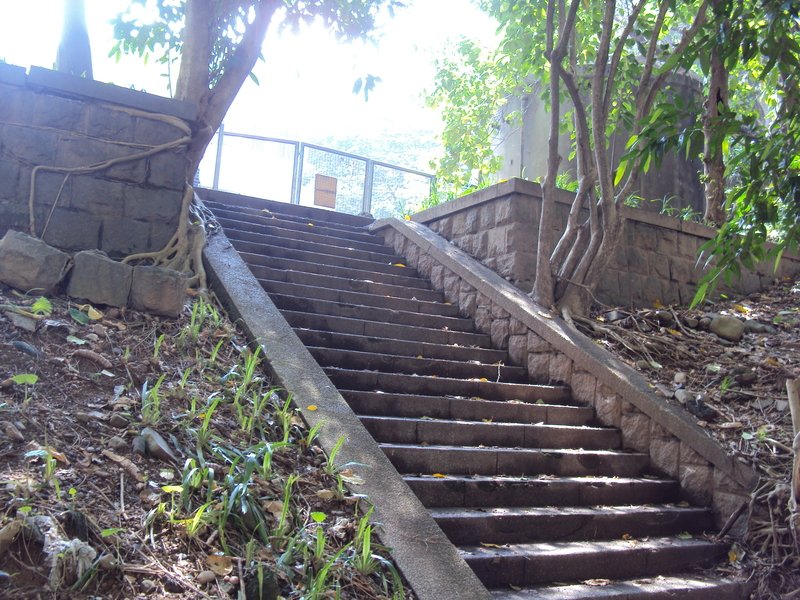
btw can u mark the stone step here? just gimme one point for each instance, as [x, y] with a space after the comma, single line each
[255, 206]
[384, 330]
[459, 460]
[371, 313]
[548, 562]
[411, 365]
[661, 587]
[350, 285]
[510, 525]
[466, 409]
[424, 307]
[359, 343]
[312, 252]
[396, 430]
[442, 386]
[489, 492]
[297, 260]
[272, 224]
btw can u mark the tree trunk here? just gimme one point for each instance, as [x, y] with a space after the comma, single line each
[194, 79]
[713, 159]
[793, 393]
[74, 51]
[543, 291]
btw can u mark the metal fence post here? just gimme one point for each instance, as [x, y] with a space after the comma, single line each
[218, 160]
[366, 201]
[297, 172]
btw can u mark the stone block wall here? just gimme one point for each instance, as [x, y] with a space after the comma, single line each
[655, 260]
[50, 119]
[678, 448]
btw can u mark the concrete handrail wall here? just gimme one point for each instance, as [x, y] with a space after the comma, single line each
[420, 549]
[655, 260]
[555, 352]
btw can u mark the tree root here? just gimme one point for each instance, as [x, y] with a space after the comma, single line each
[184, 250]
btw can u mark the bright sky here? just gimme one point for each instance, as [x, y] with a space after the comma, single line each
[305, 89]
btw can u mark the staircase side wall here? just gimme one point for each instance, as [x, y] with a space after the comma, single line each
[555, 353]
[655, 260]
[50, 119]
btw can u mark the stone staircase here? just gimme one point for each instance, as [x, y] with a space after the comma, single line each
[541, 502]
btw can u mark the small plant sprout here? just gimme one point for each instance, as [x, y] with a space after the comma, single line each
[312, 434]
[330, 466]
[49, 465]
[157, 346]
[363, 560]
[27, 380]
[151, 402]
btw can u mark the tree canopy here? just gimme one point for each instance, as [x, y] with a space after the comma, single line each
[613, 61]
[216, 44]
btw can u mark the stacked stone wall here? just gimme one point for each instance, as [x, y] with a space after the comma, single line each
[55, 120]
[655, 261]
[677, 447]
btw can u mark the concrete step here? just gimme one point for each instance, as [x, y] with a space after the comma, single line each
[546, 490]
[272, 224]
[313, 252]
[358, 343]
[252, 206]
[384, 330]
[509, 525]
[459, 460]
[684, 587]
[466, 409]
[360, 298]
[529, 564]
[410, 365]
[442, 386]
[395, 430]
[351, 285]
[276, 259]
[371, 313]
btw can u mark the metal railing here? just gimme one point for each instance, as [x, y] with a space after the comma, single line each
[296, 172]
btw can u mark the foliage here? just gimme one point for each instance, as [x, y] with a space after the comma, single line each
[470, 89]
[764, 139]
[612, 62]
[217, 44]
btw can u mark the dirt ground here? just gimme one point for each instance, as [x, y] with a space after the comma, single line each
[146, 457]
[736, 390]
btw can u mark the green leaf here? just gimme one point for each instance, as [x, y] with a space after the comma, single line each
[623, 165]
[253, 78]
[42, 306]
[25, 379]
[79, 316]
[318, 517]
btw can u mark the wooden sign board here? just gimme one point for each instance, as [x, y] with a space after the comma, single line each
[325, 191]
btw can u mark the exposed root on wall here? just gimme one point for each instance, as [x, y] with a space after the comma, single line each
[184, 250]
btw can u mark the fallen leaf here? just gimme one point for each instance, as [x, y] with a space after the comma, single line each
[311, 407]
[274, 507]
[398, 265]
[439, 476]
[325, 495]
[221, 565]
[350, 477]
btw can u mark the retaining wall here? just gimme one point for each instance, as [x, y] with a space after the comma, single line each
[555, 353]
[655, 260]
[58, 120]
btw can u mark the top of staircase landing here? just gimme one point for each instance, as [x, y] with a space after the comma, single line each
[308, 212]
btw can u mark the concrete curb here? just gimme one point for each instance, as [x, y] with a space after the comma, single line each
[425, 556]
[621, 378]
